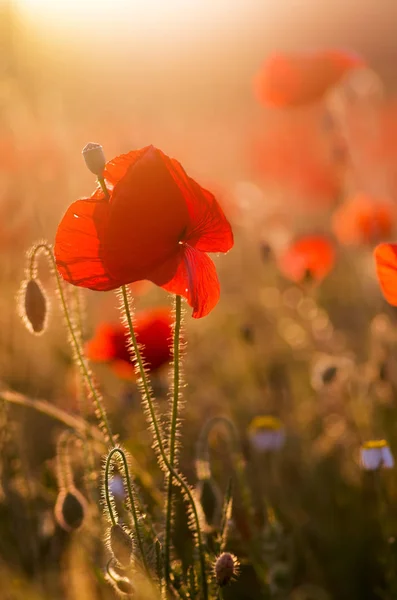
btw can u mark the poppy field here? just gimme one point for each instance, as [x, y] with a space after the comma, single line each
[198, 316]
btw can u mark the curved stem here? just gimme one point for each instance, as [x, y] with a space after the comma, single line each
[130, 497]
[74, 338]
[160, 444]
[65, 477]
[173, 435]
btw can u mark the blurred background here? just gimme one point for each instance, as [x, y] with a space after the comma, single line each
[179, 74]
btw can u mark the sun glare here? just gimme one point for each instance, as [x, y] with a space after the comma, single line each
[129, 15]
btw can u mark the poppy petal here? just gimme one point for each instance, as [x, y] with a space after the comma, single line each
[117, 168]
[195, 279]
[78, 247]
[301, 78]
[310, 255]
[209, 229]
[386, 270]
[147, 219]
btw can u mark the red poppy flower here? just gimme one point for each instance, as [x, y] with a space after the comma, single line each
[310, 256]
[363, 220]
[153, 330]
[158, 224]
[287, 80]
[386, 270]
[292, 153]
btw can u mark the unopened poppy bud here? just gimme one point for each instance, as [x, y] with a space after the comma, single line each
[210, 499]
[226, 567]
[70, 509]
[121, 545]
[33, 306]
[94, 158]
[124, 587]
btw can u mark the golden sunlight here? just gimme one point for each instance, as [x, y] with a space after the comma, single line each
[128, 15]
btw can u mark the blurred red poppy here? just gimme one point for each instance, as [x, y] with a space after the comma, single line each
[293, 153]
[386, 270]
[312, 256]
[363, 219]
[153, 330]
[287, 80]
[158, 224]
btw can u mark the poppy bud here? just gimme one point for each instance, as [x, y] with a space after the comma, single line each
[121, 545]
[33, 306]
[124, 587]
[210, 499]
[94, 158]
[226, 567]
[70, 509]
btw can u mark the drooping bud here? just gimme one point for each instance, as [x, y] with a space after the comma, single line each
[210, 499]
[121, 545]
[124, 587]
[33, 306]
[94, 158]
[226, 567]
[70, 509]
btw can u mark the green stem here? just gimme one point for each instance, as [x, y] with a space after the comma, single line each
[173, 436]
[74, 339]
[159, 440]
[130, 497]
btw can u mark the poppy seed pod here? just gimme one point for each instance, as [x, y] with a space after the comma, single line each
[121, 545]
[70, 509]
[94, 158]
[226, 567]
[33, 306]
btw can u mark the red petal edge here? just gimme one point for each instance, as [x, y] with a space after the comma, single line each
[386, 270]
[195, 279]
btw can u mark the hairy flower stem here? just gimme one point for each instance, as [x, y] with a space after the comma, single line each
[173, 435]
[74, 337]
[134, 511]
[160, 443]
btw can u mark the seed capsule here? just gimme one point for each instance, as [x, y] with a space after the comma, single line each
[121, 545]
[94, 158]
[33, 306]
[70, 509]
